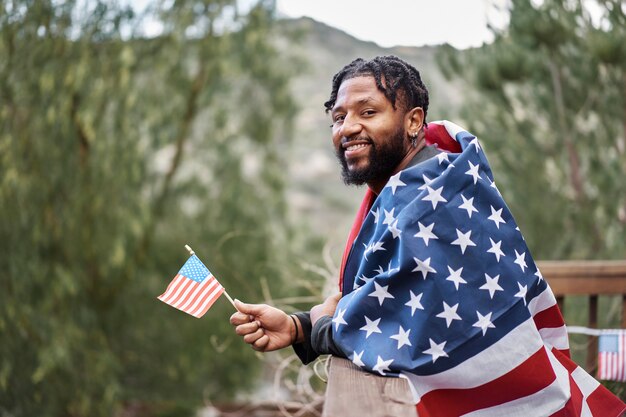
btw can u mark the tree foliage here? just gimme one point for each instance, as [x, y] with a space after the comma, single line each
[116, 149]
[548, 98]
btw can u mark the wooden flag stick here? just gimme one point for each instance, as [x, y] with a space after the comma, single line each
[191, 253]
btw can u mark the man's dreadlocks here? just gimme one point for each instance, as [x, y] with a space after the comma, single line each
[396, 74]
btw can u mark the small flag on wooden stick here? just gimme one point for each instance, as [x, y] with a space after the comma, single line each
[612, 355]
[194, 289]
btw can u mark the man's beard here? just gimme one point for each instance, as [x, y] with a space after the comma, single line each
[382, 161]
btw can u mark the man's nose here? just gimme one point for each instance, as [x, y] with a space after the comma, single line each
[350, 127]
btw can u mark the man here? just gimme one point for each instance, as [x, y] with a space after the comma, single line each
[437, 283]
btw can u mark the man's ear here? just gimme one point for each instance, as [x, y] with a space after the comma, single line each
[414, 120]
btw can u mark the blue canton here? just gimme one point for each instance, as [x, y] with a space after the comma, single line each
[194, 269]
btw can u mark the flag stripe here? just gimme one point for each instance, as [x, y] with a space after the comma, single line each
[193, 295]
[177, 286]
[202, 295]
[209, 301]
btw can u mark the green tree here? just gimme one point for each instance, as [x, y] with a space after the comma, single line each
[548, 99]
[116, 149]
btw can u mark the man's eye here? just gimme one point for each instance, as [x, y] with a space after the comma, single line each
[339, 118]
[369, 112]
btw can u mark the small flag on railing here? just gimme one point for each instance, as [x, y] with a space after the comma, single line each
[612, 355]
[194, 289]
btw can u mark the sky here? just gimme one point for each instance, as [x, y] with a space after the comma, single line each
[461, 23]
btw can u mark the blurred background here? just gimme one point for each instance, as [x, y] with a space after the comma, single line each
[129, 129]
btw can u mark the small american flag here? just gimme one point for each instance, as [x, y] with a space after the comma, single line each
[194, 289]
[612, 355]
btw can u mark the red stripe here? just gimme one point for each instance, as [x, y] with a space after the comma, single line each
[604, 404]
[183, 285]
[531, 376]
[550, 317]
[574, 405]
[201, 295]
[208, 306]
[196, 294]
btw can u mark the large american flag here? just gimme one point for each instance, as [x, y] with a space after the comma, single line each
[193, 290]
[440, 288]
[612, 355]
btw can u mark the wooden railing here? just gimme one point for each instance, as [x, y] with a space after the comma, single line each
[352, 392]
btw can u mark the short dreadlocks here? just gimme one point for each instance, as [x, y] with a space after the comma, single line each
[397, 75]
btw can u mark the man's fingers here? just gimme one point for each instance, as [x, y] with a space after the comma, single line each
[247, 328]
[250, 338]
[261, 343]
[239, 318]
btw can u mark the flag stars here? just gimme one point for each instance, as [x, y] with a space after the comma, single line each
[491, 285]
[484, 322]
[389, 219]
[356, 358]
[495, 249]
[423, 267]
[442, 156]
[402, 337]
[519, 259]
[463, 240]
[468, 204]
[436, 350]
[426, 232]
[523, 289]
[415, 302]
[496, 217]
[455, 277]
[382, 365]
[427, 181]
[376, 215]
[476, 144]
[372, 247]
[449, 313]
[338, 319]
[394, 182]
[381, 293]
[473, 171]
[434, 196]
[393, 228]
[538, 275]
[371, 326]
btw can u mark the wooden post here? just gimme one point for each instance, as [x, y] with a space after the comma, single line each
[592, 341]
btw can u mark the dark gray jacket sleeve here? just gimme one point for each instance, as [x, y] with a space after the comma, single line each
[318, 339]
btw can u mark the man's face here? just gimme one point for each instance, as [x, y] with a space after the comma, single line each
[368, 133]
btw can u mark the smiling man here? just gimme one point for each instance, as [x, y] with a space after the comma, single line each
[437, 284]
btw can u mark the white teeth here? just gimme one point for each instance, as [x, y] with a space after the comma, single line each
[355, 147]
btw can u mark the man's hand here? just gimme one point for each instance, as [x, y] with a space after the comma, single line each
[263, 327]
[327, 308]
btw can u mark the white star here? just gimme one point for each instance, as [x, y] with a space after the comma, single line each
[365, 279]
[484, 322]
[393, 228]
[519, 259]
[339, 319]
[436, 350]
[442, 156]
[380, 269]
[373, 247]
[427, 181]
[356, 358]
[376, 215]
[426, 232]
[523, 289]
[473, 171]
[402, 337]
[434, 196]
[449, 313]
[394, 182]
[496, 217]
[538, 275]
[415, 302]
[382, 365]
[475, 143]
[491, 285]
[468, 205]
[423, 267]
[370, 326]
[389, 219]
[463, 240]
[455, 276]
[381, 293]
[495, 249]
[493, 185]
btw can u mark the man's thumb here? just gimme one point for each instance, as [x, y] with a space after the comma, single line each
[254, 309]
